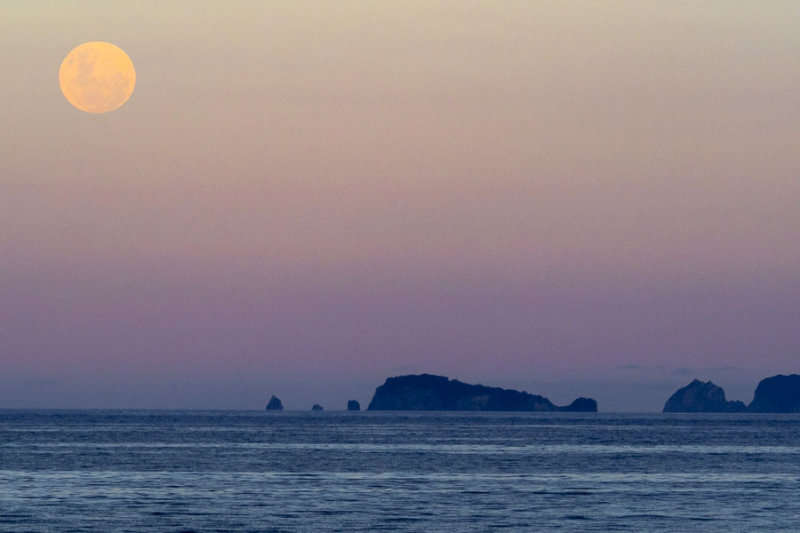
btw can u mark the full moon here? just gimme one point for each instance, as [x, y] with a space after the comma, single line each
[97, 77]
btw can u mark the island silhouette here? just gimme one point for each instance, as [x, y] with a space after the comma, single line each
[428, 392]
[776, 394]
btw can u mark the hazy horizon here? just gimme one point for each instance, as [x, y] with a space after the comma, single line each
[305, 198]
[635, 396]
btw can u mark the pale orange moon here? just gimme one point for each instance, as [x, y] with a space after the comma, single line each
[97, 77]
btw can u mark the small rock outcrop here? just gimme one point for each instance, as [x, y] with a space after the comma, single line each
[317, 407]
[701, 397]
[582, 405]
[427, 392]
[777, 394]
[274, 404]
[353, 405]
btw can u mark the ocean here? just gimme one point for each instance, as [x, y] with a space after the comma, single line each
[209, 471]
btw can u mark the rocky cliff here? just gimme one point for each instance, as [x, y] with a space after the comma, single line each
[701, 397]
[778, 394]
[426, 392]
[274, 404]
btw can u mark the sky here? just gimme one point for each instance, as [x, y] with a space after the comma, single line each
[302, 198]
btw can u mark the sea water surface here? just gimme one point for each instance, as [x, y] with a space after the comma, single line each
[162, 471]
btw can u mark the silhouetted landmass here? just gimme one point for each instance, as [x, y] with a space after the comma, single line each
[778, 394]
[274, 404]
[581, 405]
[353, 405]
[317, 407]
[702, 397]
[426, 392]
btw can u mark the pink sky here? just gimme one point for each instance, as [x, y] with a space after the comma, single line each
[303, 198]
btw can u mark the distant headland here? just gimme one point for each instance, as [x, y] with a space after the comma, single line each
[776, 394]
[427, 392]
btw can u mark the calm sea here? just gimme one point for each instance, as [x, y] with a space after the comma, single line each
[162, 471]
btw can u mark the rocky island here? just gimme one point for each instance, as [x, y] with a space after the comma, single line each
[777, 394]
[427, 392]
[274, 404]
[701, 397]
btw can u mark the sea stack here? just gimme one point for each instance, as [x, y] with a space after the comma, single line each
[581, 405]
[701, 397]
[353, 405]
[317, 407]
[274, 404]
